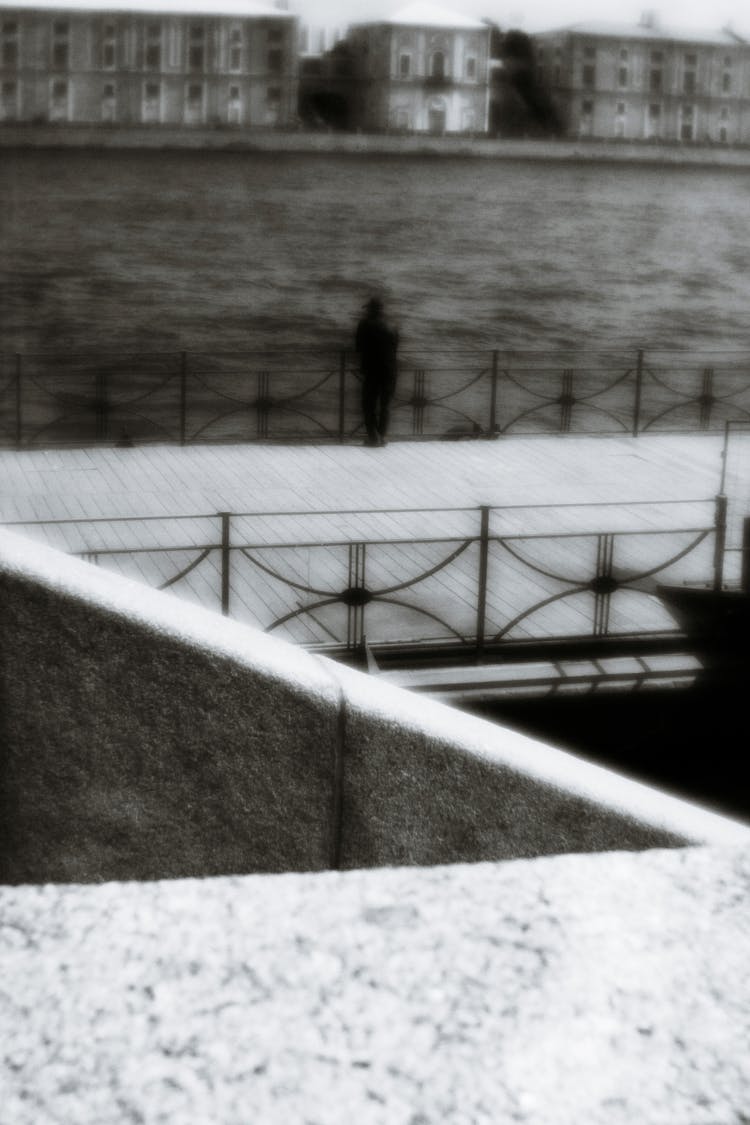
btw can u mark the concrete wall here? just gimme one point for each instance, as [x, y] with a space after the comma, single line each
[142, 738]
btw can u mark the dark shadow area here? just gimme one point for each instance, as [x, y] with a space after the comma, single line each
[691, 742]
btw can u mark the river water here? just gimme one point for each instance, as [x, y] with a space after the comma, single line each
[224, 251]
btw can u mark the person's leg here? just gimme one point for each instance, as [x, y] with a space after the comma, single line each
[387, 388]
[369, 407]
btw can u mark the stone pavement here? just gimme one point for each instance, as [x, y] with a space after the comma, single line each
[575, 990]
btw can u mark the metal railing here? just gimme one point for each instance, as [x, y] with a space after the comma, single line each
[184, 397]
[476, 578]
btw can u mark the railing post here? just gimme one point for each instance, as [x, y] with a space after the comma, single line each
[183, 397]
[342, 394]
[720, 532]
[101, 407]
[745, 574]
[492, 430]
[638, 392]
[225, 560]
[484, 549]
[19, 415]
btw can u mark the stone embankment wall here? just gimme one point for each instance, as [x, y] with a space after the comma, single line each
[571, 990]
[81, 136]
[143, 738]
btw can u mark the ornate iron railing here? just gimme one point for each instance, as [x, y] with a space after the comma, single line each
[481, 581]
[185, 397]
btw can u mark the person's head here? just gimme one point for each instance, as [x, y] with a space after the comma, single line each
[374, 308]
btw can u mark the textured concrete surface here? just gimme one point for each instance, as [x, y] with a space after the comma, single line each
[142, 739]
[575, 990]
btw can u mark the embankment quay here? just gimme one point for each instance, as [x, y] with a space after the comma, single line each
[374, 144]
[468, 543]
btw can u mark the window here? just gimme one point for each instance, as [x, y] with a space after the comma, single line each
[688, 82]
[9, 101]
[587, 108]
[471, 68]
[589, 76]
[620, 120]
[153, 47]
[234, 93]
[723, 134]
[275, 35]
[108, 102]
[108, 56]
[10, 44]
[657, 57]
[654, 111]
[589, 52]
[58, 109]
[622, 76]
[195, 93]
[726, 83]
[60, 45]
[404, 66]
[275, 57]
[235, 49]
[437, 65]
[654, 81]
[195, 56]
[623, 54]
[151, 108]
[686, 126]
[724, 113]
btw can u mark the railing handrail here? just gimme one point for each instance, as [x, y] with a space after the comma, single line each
[252, 394]
[305, 512]
[601, 579]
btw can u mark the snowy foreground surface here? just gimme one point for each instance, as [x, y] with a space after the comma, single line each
[575, 989]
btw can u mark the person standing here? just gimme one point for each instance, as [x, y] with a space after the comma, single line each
[376, 343]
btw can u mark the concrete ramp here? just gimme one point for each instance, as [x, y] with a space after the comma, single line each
[144, 739]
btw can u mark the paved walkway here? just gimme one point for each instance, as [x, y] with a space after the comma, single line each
[662, 484]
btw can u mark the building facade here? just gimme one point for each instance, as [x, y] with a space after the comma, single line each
[424, 70]
[147, 62]
[647, 83]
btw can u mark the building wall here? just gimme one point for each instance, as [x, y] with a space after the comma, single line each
[648, 88]
[134, 69]
[421, 79]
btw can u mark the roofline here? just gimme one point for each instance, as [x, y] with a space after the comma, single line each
[665, 35]
[119, 7]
